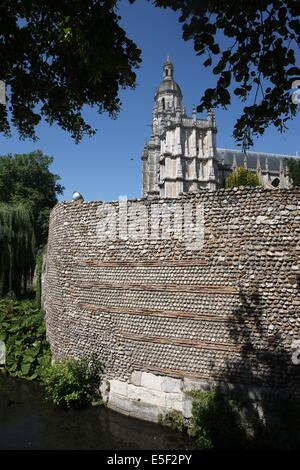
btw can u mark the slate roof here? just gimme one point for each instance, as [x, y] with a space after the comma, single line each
[273, 158]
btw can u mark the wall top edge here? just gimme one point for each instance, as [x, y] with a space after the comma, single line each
[242, 191]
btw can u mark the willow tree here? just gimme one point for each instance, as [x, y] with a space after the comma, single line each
[17, 248]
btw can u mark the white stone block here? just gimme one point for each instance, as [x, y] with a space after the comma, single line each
[134, 408]
[187, 407]
[154, 397]
[151, 381]
[190, 384]
[136, 377]
[174, 401]
[194, 384]
[119, 403]
[104, 389]
[171, 385]
[116, 386]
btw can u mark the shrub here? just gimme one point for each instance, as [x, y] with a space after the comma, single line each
[242, 177]
[73, 383]
[215, 421]
[174, 420]
[23, 330]
[220, 422]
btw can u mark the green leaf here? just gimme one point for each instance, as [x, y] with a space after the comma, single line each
[25, 368]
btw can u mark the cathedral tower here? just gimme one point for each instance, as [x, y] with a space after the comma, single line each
[180, 155]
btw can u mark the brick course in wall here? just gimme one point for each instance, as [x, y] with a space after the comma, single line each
[227, 312]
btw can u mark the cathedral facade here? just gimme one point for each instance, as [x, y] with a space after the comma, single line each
[181, 155]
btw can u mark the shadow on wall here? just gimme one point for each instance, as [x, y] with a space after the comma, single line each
[272, 415]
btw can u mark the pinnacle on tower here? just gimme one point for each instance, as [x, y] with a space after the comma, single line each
[211, 117]
[267, 164]
[168, 69]
[258, 165]
[194, 113]
[234, 162]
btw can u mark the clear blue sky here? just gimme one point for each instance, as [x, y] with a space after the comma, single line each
[101, 167]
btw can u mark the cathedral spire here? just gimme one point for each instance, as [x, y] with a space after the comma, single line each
[168, 70]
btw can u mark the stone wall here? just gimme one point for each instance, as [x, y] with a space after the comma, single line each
[166, 315]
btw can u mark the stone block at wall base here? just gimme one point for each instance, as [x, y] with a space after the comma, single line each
[154, 397]
[145, 402]
[171, 385]
[194, 384]
[174, 401]
[187, 403]
[136, 377]
[119, 387]
[139, 410]
[151, 381]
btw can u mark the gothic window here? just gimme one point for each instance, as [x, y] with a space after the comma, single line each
[163, 103]
[275, 182]
[167, 72]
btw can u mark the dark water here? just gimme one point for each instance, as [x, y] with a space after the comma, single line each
[28, 422]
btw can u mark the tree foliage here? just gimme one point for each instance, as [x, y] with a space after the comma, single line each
[26, 179]
[38, 276]
[58, 56]
[252, 47]
[242, 177]
[294, 171]
[17, 248]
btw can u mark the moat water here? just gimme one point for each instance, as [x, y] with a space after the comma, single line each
[27, 421]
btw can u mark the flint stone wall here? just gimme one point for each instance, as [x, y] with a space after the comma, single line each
[226, 314]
